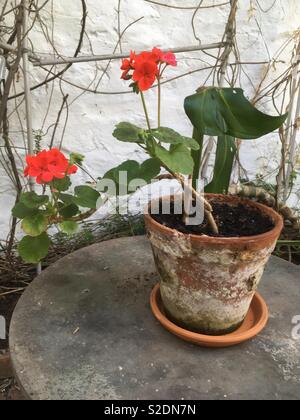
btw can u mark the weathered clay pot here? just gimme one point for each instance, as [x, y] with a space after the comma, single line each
[207, 284]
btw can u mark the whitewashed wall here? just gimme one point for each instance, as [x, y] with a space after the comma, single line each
[93, 116]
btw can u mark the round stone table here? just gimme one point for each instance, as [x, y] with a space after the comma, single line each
[84, 330]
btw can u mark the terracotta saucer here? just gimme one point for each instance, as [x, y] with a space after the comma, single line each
[254, 323]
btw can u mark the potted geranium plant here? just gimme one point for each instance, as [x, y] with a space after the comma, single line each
[54, 205]
[209, 272]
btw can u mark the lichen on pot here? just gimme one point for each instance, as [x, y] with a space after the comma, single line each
[207, 283]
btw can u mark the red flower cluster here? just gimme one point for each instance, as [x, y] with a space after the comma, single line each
[48, 165]
[146, 67]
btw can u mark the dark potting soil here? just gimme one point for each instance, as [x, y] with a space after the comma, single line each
[233, 221]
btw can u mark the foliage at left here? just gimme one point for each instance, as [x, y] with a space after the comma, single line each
[55, 205]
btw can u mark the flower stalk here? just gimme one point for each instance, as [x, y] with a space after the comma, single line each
[144, 69]
[146, 111]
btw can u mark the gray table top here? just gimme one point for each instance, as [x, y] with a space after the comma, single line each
[84, 330]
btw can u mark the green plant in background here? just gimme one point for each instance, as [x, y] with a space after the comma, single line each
[57, 206]
[228, 115]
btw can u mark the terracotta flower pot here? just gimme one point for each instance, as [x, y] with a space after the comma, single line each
[207, 283]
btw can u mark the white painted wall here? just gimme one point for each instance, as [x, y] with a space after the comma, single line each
[92, 116]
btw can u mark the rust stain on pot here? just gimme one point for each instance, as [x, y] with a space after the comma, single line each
[207, 284]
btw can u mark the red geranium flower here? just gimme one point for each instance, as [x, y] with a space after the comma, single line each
[169, 58]
[145, 73]
[146, 66]
[157, 54]
[48, 165]
[127, 65]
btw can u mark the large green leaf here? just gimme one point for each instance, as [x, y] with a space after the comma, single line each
[33, 201]
[167, 135]
[225, 154]
[149, 169]
[66, 198]
[68, 210]
[20, 211]
[225, 111]
[129, 133]
[35, 225]
[33, 250]
[177, 159]
[133, 171]
[86, 197]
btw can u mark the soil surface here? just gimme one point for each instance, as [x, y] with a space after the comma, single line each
[233, 221]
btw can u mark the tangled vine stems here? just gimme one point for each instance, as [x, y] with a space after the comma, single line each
[59, 75]
[4, 123]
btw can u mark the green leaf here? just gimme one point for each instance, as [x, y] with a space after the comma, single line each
[69, 210]
[35, 224]
[177, 159]
[86, 197]
[226, 111]
[130, 167]
[66, 198]
[167, 135]
[33, 201]
[129, 133]
[20, 211]
[225, 154]
[69, 227]
[62, 184]
[33, 250]
[149, 170]
[134, 171]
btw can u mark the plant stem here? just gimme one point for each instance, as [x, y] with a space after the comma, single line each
[79, 218]
[146, 111]
[54, 196]
[159, 102]
[185, 185]
[207, 207]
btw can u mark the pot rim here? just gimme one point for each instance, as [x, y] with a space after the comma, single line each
[275, 232]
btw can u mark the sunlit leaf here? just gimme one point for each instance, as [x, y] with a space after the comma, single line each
[33, 249]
